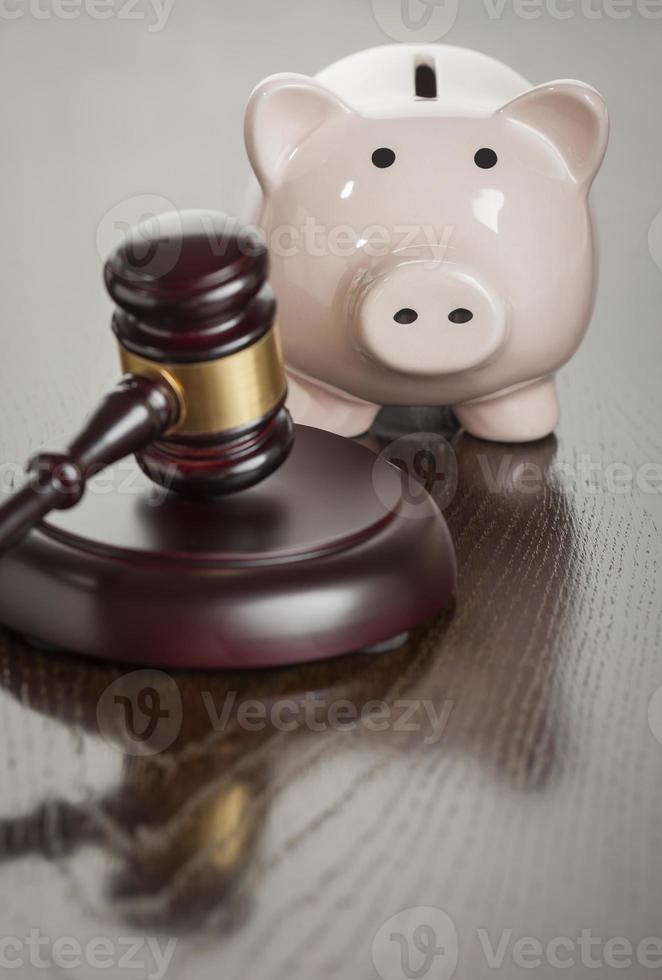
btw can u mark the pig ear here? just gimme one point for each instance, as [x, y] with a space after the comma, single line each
[282, 112]
[570, 115]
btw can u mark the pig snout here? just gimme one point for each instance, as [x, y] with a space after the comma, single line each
[428, 317]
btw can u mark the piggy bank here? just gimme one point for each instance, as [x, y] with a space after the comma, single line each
[431, 238]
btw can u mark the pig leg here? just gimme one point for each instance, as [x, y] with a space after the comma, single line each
[522, 415]
[324, 407]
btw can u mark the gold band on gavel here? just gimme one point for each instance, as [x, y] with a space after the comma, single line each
[223, 394]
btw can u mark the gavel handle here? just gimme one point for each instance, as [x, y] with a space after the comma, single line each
[128, 419]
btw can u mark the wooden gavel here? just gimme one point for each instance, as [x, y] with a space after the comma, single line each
[201, 404]
[324, 557]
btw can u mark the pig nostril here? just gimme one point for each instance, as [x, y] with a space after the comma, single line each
[406, 316]
[460, 316]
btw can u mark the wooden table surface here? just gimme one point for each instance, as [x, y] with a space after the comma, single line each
[501, 775]
[508, 775]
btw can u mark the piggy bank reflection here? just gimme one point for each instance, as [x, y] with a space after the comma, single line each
[430, 233]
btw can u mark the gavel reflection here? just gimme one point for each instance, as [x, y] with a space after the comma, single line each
[202, 402]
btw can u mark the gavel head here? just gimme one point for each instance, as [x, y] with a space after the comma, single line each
[196, 314]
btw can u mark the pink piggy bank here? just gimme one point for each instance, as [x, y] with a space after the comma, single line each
[430, 234]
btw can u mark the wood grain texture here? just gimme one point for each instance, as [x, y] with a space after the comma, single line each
[276, 852]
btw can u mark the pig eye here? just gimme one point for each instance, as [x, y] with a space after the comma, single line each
[383, 157]
[486, 159]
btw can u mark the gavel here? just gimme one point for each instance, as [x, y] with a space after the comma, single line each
[275, 543]
[201, 403]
